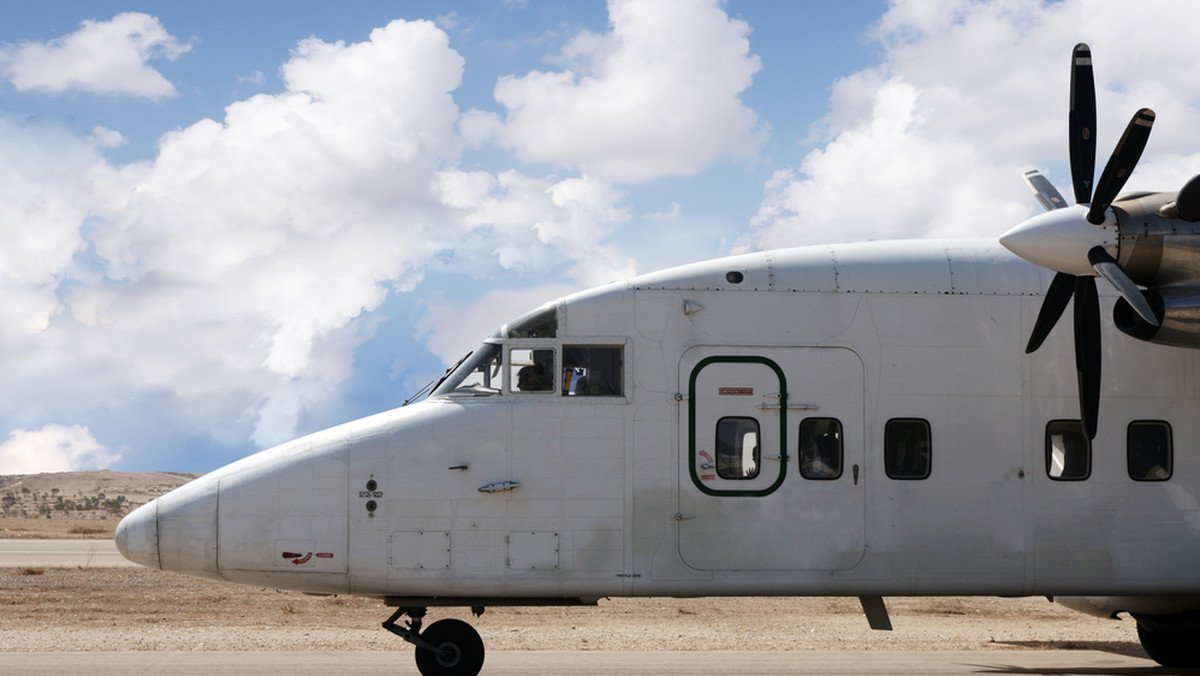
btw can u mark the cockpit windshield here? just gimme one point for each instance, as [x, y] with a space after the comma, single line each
[477, 375]
[541, 323]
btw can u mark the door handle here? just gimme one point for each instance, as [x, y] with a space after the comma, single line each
[499, 486]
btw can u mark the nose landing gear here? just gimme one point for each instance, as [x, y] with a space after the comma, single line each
[447, 648]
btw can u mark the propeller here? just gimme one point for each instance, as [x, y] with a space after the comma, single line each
[1079, 283]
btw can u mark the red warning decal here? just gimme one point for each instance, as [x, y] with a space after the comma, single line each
[303, 559]
[324, 555]
[735, 391]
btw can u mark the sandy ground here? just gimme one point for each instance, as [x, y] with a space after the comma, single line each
[77, 504]
[142, 609]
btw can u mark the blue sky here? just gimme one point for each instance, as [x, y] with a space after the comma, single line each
[223, 225]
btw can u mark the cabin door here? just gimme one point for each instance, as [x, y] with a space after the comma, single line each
[772, 466]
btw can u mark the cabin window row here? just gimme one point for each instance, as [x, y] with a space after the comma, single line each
[907, 454]
[1149, 451]
[738, 454]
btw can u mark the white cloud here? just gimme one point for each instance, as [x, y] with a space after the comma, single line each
[230, 279]
[452, 328]
[670, 214]
[102, 57]
[932, 141]
[252, 78]
[240, 257]
[45, 179]
[102, 137]
[536, 224]
[54, 448]
[657, 96]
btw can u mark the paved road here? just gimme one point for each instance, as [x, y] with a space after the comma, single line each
[555, 663]
[61, 554]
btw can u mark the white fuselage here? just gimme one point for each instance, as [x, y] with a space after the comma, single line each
[590, 496]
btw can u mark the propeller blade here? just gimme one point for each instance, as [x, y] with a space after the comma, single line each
[1081, 123]
[1125, 156]
[1110, 270]
[1057, 297]
[1188, 200]
[1045, 192]
[1087, 352]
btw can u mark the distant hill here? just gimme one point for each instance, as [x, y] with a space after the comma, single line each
[104, 496]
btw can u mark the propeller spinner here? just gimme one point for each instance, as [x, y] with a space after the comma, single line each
[1080, 242]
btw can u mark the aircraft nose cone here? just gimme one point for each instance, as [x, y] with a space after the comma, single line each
[1060, 240]
[137, 535]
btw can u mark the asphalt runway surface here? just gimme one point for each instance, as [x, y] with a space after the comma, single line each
[80, 553]
[589, 663]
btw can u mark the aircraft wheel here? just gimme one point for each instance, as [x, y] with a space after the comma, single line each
[1170, 648]
[459, 650]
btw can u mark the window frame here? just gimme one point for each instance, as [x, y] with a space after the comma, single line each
[1048, 450]
[757, 457]
[1170, 454]
[887, 448]
[841, 449]
[510, 371]
[585, 344]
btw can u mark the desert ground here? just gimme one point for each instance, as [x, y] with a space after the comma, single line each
[141, 609]
[77, 504]
[106, 609]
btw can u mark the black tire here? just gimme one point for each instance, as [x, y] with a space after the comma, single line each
[1174, 649]
[459, 653]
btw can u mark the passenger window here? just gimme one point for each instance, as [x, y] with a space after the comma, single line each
[531, 370]
[737, 448]
[592, 371]
[820, 448]
[1068, 451]
[907, 448]
[1149, 452]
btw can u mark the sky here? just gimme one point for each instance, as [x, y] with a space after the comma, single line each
[224, 225]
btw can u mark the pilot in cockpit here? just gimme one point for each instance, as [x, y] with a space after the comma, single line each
[532, 378]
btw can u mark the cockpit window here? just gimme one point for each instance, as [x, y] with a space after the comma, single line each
[541, 323]
[592, 371]
[477, 375]
[532, 369]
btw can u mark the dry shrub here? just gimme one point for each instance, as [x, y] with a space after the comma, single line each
[85, 530]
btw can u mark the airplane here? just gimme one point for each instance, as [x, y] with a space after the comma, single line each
[837, 420]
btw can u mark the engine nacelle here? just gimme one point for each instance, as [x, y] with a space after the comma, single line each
[1177, 310]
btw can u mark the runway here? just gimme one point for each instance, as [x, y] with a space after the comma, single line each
[78, 553]
[555, 663]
